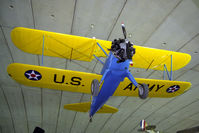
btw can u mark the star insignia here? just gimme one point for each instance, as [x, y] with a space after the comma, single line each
[173, 88]
[32, 75]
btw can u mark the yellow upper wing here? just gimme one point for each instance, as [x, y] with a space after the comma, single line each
[82, 48]
[150, 58]
[67, 80]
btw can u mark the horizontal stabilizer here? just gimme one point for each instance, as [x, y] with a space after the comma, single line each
[85, 107]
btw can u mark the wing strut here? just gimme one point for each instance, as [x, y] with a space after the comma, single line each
[71, 54]
[150, 65]
[103, 51]
[132, 79]
[171, 71]
[98, 59]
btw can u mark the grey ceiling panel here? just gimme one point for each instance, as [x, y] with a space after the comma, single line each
[5, 60]
[196, 68]
[97, 124]
[33, 105]
[101, 14]
[140, 73]
[16, 13]
[51, 100]
[81, 66]
[160, 74]
[53, 15]
[53, 62]
[6, 119]
[100, 120]
[185, 123]
[142, 18]
[192, 48]
[81, 120]
[176, 103]
[177, 29]
[15, 100]
[176, 117]
[190, 76]
[66, 117]
[147, 108]
[126, 109]
[195, 117]
[98, 66]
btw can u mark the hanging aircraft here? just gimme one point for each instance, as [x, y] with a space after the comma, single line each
[144, 127]
[115, 78]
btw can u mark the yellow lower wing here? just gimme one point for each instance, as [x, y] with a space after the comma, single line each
[81, 48]
[85, 107]
[74, 81]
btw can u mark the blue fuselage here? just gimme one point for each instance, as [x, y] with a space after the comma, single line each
[113, 73]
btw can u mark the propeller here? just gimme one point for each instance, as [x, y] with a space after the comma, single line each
[124, 30]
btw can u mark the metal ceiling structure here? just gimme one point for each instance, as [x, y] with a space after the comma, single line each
[164, 24]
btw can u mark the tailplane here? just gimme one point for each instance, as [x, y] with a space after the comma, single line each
[85, 107]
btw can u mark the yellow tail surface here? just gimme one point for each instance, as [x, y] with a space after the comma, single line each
[85, 107]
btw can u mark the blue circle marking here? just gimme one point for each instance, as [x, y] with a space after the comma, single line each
[33, 75]
[173, 88]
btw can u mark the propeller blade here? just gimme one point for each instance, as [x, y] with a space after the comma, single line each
[124, 30]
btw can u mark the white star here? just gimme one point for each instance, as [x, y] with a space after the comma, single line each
[33, 75]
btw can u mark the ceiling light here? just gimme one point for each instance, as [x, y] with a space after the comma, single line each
[129, 35]
[52, 15]
[164, 43]
[92, 26]
[11, 6]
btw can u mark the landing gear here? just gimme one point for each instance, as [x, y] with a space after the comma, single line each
[95, 87]
[143, 91]
[94, 92]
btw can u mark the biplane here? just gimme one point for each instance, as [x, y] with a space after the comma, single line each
[115, 78]
[144, 127]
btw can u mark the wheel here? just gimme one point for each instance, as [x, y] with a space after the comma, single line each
[143, 91]
[95, 87]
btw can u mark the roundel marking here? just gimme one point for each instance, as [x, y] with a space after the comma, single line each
[32, 75]
[173, 88]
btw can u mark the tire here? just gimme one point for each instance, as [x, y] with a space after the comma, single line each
[143, 91]
[95, 87]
